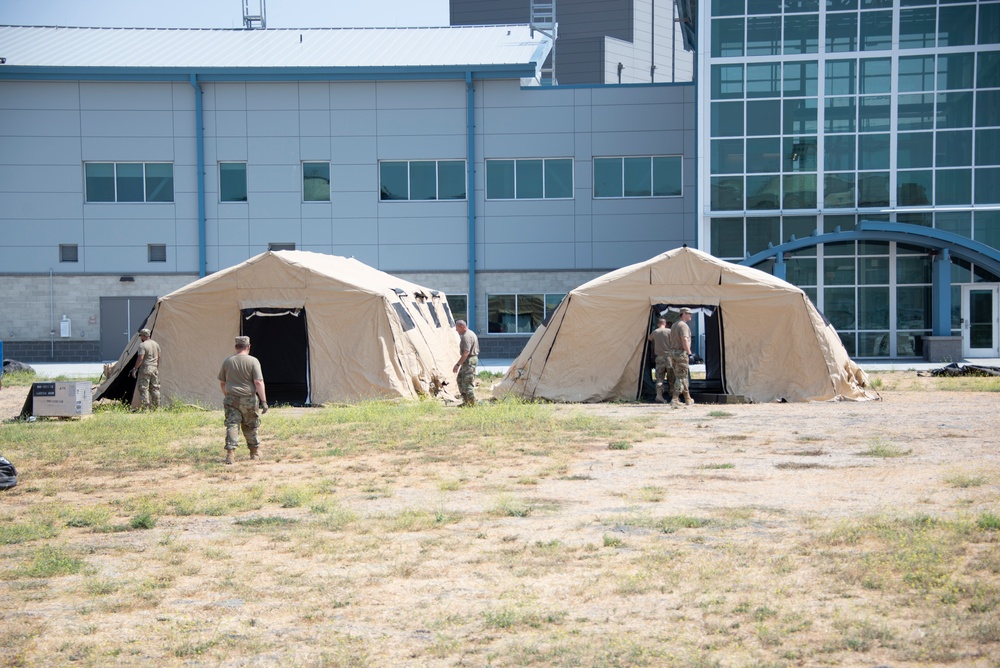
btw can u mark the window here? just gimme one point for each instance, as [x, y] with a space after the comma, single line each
[458, 305]
[316, 181]
[519, 313]
[156, 253]
[232, 181]
[280, 246]
[658, 176]
[129, 182]
[540, 178]
[421, 180]
[69, 253]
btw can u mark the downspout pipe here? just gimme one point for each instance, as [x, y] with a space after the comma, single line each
[199, 129]
[470, 189]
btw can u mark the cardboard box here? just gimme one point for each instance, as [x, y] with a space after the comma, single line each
[58, 399]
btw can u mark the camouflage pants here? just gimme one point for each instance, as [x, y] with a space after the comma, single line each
[664, 371]
[680, 370]
[241, 413]
[149, 387]
[467, 378]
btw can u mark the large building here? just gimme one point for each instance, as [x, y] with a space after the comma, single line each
[875, 123]
[599, 41]
[133, 161]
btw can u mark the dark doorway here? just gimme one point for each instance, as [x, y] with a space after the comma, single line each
[279, 339]
[712, 354]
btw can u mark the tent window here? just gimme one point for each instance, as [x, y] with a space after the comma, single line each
[404, 317]
[447, 308]
[432, 307]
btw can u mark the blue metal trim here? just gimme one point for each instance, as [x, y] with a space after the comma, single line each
[962, 247]
[699, 215]
[470, 180]
[504, 71]
[665, 84]
[199, 131]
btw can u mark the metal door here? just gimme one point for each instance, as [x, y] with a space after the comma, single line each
[120, 318]
[979, 320]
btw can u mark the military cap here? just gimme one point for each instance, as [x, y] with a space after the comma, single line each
[144, 332]
[243, 340]
[685, 309]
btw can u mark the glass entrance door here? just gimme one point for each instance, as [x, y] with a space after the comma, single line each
[979, 320]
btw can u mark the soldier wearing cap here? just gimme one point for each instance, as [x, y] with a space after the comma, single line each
[660, 338]
[147, 371]
[679, 343]
[465, 367]
[242, 384]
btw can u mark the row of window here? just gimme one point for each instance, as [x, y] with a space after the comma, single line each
[510, 313]
[410, 180]
[851, 190]
[154, 253]
[865, 152]
[850, 114]
[752, 7]
[797, 33]
[853, 76]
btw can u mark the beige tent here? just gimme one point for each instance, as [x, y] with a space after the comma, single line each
[325, 328]
[764, 339]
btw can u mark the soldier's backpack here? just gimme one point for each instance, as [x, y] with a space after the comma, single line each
[8, 474]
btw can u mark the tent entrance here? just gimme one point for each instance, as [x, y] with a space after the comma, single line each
[705, 390]
[279, 339]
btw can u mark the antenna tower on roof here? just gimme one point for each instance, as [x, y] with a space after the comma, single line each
[253, 21]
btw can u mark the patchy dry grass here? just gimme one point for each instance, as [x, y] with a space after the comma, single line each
[408, 534]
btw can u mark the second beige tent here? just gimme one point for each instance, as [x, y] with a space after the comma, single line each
[772, 343]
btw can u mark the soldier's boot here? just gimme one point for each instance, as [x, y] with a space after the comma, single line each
[674, 401]
[229, 457]
[254, 454]
[687, 398]
[659, 395]
[470, 401]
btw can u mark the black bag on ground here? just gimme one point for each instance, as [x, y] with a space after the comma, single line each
[8, 474]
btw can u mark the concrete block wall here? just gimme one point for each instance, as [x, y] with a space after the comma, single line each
[34, 306]
[52, 351]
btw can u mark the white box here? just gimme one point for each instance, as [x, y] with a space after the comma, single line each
[59, 399]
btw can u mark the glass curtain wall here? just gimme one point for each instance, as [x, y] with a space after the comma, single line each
[822, 113]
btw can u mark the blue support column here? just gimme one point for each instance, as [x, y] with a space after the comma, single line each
[780, 268]
[941, 294]
[470, 187]
[199, 130]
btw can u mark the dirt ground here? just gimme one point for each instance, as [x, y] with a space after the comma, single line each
[781, 465]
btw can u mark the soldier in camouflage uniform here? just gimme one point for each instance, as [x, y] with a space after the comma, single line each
[242, 384]
[680, 351]
[468, 345]
[147, 371]
[660, 338]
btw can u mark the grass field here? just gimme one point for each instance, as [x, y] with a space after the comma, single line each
[512, 534]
